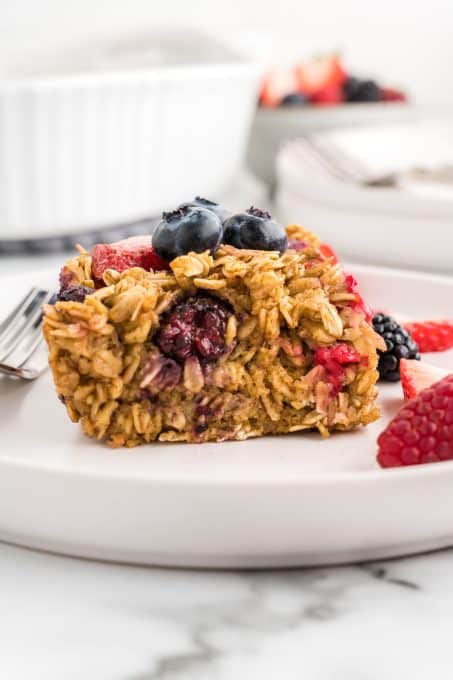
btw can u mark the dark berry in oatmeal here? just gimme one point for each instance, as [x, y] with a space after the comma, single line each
[255, 229]
[74, 293]
[187, 229]
[195, 328]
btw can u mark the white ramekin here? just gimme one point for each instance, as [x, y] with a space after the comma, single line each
[100, 147]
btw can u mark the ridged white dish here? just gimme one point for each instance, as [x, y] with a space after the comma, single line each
[118, 135]
[274, 501]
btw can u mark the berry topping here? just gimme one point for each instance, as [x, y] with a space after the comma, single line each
[390, 94]
[195, 327]
[254, 229]
[199, 202]
[295, 99]
[334, 359]
[320, 74]
[422, 431]
[432, 336]
[359, 305]
[332, 94]
[328, 252]
[187, 229]
[417, 376]
[399, 345]
[74, 293]
[357, 90]
[277, 84]
[124, 255]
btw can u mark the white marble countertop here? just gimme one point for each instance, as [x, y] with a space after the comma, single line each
[69, 619]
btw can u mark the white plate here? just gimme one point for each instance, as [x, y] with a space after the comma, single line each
[276, 501]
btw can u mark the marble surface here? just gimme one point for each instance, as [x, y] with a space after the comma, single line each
[69, 619]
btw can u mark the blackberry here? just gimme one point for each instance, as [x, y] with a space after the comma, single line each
[399, 345]
[357, 90]
[195, 328]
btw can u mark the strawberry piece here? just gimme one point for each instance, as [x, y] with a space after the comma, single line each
[422, 431]
[417, 376]
[328, 252]
[276, 85]
[320, 74]
[124, 255]
[360, 305]
[328, 96]
[390, 94]
[432, 336]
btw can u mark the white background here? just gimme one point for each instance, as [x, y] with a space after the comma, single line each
[404, 42]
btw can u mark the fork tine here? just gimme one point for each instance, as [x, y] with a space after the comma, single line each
[20, 324]
[24, 373]
[20, 308]
[28, 341]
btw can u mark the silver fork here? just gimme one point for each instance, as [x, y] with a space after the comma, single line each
[20, 336]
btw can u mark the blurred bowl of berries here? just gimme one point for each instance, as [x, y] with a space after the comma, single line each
[317, 94]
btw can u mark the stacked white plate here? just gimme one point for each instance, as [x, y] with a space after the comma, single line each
[362, 192]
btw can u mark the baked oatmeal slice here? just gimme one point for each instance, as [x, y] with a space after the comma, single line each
[231, 345]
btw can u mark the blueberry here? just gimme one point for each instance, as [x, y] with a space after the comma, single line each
[185, 230]
[295, 99]
[199, 202]
[254, 229]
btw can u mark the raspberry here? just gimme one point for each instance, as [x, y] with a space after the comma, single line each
[432, 336]
[422, 431]
[334, 359]
[121, 257]
[195, 327]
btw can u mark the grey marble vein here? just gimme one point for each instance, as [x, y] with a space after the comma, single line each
[66, 619]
